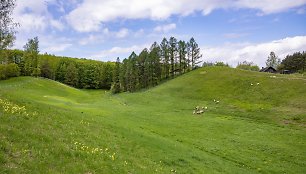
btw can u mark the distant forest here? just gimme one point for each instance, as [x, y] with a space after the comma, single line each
[162, 61]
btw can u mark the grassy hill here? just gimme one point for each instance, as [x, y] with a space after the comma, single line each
[48, 127]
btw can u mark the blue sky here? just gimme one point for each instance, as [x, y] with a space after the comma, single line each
[226, 30]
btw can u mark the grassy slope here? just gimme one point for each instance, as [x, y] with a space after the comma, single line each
[259, 128]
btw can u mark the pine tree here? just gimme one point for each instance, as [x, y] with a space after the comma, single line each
[194, 53]
[46, 69]
[61, 71]
[182, 49]
[132, 73]
[155, 64]
[173, 53]
[71, 77]
[123, 71]
[164, 47]
[116, 83]
[142, 66]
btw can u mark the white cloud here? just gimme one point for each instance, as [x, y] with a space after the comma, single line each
[122, 33]
[58, 48]
[99, 37]
[57, 24]
[268, 6]
[34, 16]
[165, 28]
[257, 53]
[139, 33]
[114, 52]
[92, 39]
[90, 14]
[47, 43]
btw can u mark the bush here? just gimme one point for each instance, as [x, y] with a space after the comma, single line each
[221, 64]
[247, 66]
[9, 70]
[2, 72]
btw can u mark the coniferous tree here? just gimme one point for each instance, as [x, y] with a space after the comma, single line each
[132, 73]
[156, 68]
[116, 82]
[295, 62]
[46, 69]
[173, 54]
[61, 71]
[71, 77]
[182, 49]
[194, 53]
[123, 79]
[142, 66]
[164, 46]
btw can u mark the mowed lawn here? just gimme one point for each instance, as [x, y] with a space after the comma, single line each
[48, 127]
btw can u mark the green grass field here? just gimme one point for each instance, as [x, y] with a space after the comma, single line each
[47, 127]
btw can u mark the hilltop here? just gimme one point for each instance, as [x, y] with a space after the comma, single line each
[257, 126]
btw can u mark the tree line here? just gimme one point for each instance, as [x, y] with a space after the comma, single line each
[79, 73]
[294, 63]
[162, 61]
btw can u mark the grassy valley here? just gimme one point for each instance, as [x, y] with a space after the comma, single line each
[258, 126]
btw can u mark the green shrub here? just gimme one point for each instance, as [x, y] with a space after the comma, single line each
[247, 66]
[2, 72]
[9, 70]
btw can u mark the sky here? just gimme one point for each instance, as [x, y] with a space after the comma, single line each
[226, 30]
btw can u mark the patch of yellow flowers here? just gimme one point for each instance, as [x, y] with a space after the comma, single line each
[94, 150]
[11, 108]
[84, 122]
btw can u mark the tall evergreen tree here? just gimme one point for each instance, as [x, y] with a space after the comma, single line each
[164, 47]
[46, 69]
[173, 54]
[132, 73]
[194, 53]
[295, 62]
[123, 71]
[61, 71]
[71, 77]
[182, 49]
[156, 69]
[142, 66]
[116, 81]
